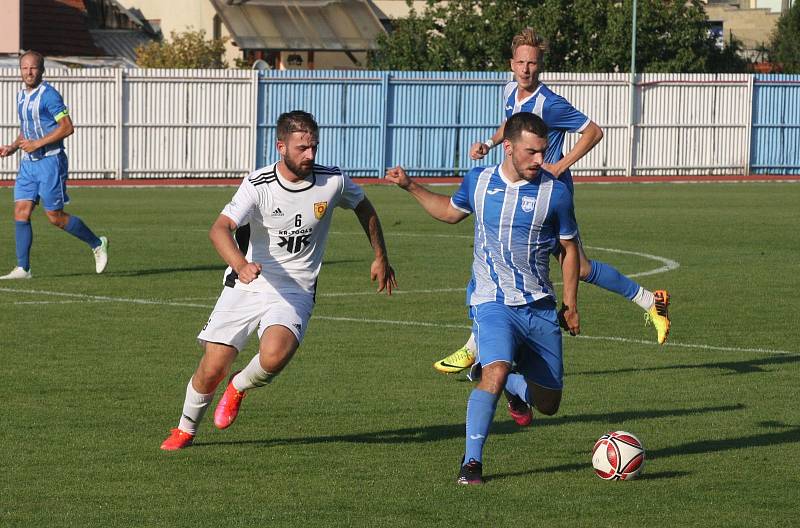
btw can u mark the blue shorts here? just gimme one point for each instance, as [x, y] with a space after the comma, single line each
[45, 180]
[527, 335]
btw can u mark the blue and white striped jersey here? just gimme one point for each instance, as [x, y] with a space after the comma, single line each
[517, 227]
[556, 112]
[39, 111]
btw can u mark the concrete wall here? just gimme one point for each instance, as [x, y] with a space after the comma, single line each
[10, 40]
[179, 16]
[751, 26]
[397, 8]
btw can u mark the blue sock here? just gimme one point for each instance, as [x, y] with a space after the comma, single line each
[608, 278]
[77, 228]
[516, 385]
[23, 236]
[480, 413]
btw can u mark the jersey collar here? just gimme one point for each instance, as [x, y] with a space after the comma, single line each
[509, 183]
[300, 186]
[518, 103]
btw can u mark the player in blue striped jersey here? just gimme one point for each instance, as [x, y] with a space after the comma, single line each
[522, 215]
[527, 94]
[45, 123]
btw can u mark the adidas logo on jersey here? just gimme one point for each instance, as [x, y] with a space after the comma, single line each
[277, 212]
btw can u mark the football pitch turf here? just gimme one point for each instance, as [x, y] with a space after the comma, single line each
[360, 430]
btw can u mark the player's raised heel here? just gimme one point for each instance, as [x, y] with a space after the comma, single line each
[101, 255]
[17, 273]
[177, 439]
[228, 407]
[520, 411]
[470, 473]
[658, 315]
[455, 362]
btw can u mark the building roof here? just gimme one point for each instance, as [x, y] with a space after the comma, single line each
[120, 42]
[320, 25]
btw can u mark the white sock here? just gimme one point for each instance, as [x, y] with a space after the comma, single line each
[194, 407]
[471, 344]
[252, 376]
[644, 298]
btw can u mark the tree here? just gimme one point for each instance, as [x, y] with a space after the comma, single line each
[785, 45]
[189, 49]
[583, 35]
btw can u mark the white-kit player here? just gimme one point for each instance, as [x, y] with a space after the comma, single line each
[289, 206]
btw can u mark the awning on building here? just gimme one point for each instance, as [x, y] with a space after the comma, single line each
[313, 25]
[121, 43]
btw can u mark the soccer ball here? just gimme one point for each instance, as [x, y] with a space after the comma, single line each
[618, 455]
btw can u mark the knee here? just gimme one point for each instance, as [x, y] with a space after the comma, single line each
[22, 213]
[208, 377]
[547, 408]
[493, 377]
[546, 401]
[586, 270]
[57, 218]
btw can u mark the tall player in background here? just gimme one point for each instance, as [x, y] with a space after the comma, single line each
[45, 122]
[288, 207]
[527, 94]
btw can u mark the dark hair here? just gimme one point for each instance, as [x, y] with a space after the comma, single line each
[39, 57]
[296, 121]
[524, 121]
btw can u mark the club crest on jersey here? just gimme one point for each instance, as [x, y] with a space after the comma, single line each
[319, 209]
[528, 203]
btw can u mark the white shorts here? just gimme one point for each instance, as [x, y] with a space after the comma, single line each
[239, 313]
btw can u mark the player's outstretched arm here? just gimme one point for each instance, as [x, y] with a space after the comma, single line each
[380, 270]
[590, 136]
[221, 235]
[437, 205]
[570, 267]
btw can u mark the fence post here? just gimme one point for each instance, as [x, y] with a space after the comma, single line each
[748, 134]
[255, 98]
[631, 165]
[384, 123]
[118, 124]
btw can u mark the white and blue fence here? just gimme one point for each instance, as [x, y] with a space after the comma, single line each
[134, 124]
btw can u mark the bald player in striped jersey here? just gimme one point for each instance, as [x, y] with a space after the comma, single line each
[270, 288]
[527, 94]
[45, 123]
[521, 215]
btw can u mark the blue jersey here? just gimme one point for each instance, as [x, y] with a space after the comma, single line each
[39, 111]
[556, 112]
[517, 227]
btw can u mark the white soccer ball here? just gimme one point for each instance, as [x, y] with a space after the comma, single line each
[618, 455]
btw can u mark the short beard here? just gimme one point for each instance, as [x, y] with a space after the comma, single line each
[298, 170]
[521, 172]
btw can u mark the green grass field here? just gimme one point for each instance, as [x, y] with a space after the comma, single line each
[360, 430]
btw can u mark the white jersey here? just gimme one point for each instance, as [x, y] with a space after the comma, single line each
[289, 224]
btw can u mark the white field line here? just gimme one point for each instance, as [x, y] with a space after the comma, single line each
[95, 298]
[64, 302]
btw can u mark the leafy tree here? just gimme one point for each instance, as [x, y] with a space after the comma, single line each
[188, 49]
[583, 35]
[785, 44]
